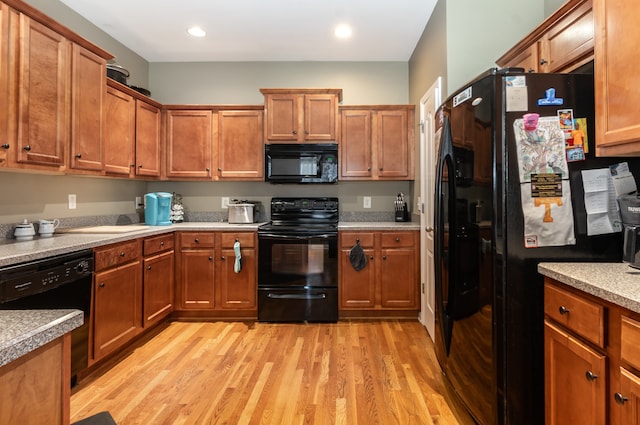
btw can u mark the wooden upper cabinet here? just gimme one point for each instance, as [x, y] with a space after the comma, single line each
[188, 143]
[43, 96]
[301, 115]
[148, 124]
[240, 145]
[88, 89]
[6, 137]
[616, 71]
[562, 43]
[377, 142]
[119, 133]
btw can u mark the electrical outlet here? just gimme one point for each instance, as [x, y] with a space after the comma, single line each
[225, 202]
[366, 202]
[139, 203]
[72, 201]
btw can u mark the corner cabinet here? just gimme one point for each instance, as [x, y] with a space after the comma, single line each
[377, 142]
[616, 86]
[389, 283]
[301, 115]
[562, 43]
[592, 362]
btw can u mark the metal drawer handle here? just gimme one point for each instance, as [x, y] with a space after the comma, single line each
[620, 399]
[563, 310]
[591, 376]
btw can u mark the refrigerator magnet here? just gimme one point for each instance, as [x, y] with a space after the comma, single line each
[550, 98]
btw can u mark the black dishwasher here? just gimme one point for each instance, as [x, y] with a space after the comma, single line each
[58, 282]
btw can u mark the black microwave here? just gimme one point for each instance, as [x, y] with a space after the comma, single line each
[301, 163]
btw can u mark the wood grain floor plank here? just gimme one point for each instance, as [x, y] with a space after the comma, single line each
[351, 372]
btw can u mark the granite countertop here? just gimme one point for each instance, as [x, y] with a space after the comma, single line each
[13, 252]
[614, 282]
[22, 331]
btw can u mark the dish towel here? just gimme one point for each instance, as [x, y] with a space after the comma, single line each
[357, 257]
[237, 265]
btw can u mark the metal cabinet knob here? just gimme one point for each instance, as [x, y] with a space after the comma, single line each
[148, 267]
[397, 239]
[5, 145]
[222, 258]
[543, 62]
[196, 240]
[27, 148]
[101, 284]
[122, 254]
[210, 258]
[162, 243]
[429, 229]
[294, 132]
[591, 376]
[384, 257]
[380, 168]
[78, 155]
[620, 399]
[368, 168]
[140, 166]
[371, 257]
[563, 310]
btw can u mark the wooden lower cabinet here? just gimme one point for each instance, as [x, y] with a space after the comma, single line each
[41, 377]
[592, 361]
[195, 270]
[157, 278]
[237, 290]
[389, 281]
[576, 377]
[117, 297]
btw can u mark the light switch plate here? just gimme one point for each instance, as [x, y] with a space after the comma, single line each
[366, 202]
[225, 202]
[72, 201]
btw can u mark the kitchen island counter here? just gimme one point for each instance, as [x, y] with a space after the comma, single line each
[614, 282]
[23, 331]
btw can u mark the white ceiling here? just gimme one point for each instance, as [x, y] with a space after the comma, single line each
[260, 30]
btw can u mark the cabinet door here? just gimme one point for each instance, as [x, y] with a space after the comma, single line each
[282, 117]
[88, 87]
[628, 399]
[7, 141]
[188, 143]
[398, 278]
[119, 133]
[240, 145]
[147, 139]
[236, 291]
[575, 380]
[157, 281]
[355, 144]
[43, 97]
[569, 43]
[393, 145]
[320, 112]
[528, 59]
[117, 307]
[357, 288]
[196, 279]
[616, 86]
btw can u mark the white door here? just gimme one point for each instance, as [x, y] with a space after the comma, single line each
[428, 106]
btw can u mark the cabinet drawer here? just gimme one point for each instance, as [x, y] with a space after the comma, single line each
[157, 244]
[396, 239]
[582, 316]
[349, 239]
[630, 341]
[196, 240]
[114, 255]
[246, 239]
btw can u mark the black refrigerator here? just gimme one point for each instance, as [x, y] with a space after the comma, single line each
[489, 295]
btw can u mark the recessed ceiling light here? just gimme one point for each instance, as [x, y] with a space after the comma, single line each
[196, 31]
[343, 31]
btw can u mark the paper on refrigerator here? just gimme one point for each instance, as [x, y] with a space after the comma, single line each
[600, 203]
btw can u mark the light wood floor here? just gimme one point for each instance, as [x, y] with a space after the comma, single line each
[351, 372]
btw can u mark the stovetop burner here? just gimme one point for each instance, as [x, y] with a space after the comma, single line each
[302, 215]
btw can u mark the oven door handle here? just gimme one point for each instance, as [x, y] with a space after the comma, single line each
[297, 237]
[297, 296]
